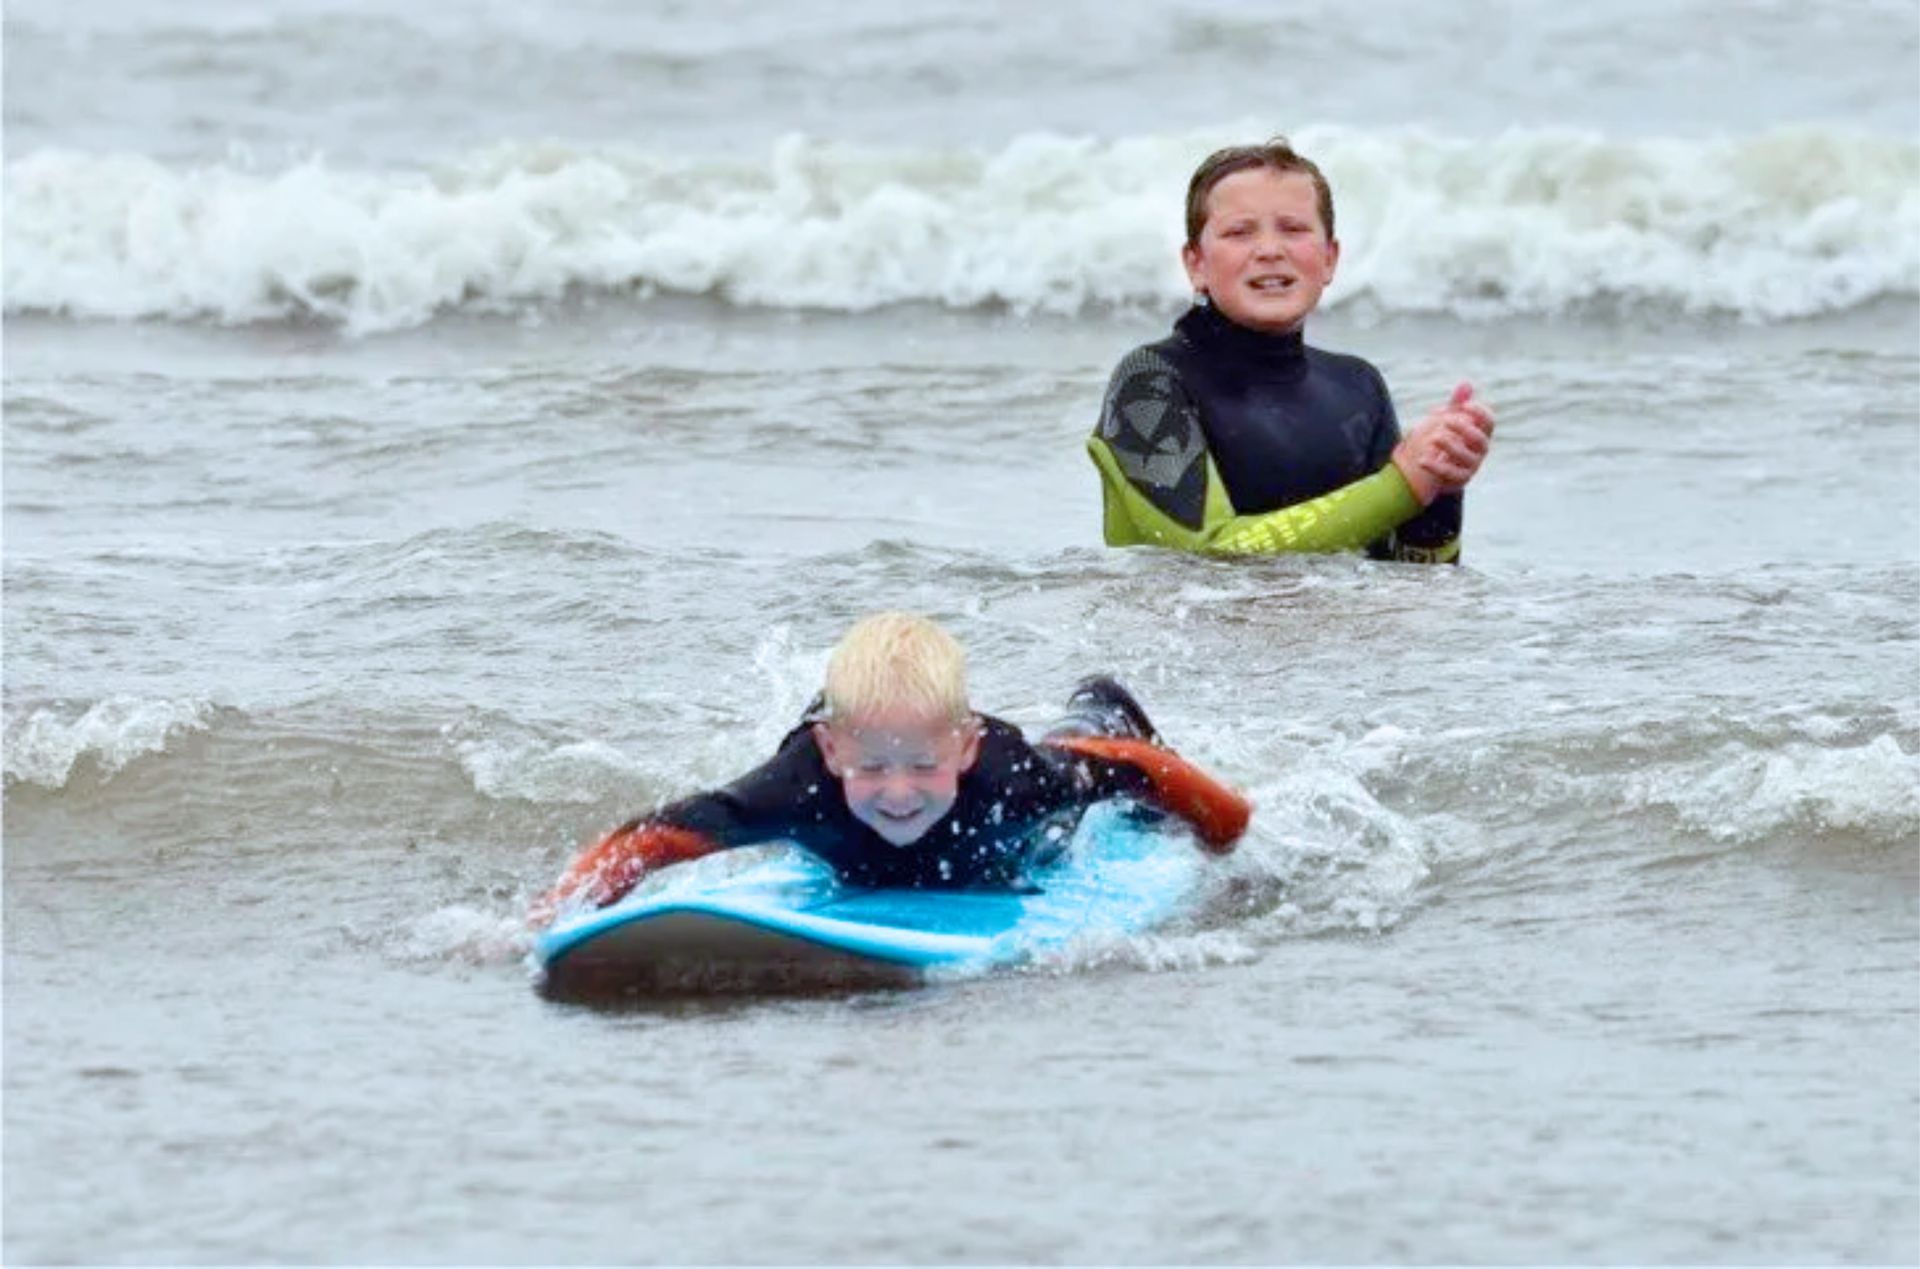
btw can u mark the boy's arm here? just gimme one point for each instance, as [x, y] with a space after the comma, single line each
[614, 865]
[1433, 535]
[1126, 765]
[766, 804]
[1159, 487]
[1347, 519]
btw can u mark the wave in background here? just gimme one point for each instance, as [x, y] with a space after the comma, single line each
[1785, 225]
[46, 746]
[1846, 770]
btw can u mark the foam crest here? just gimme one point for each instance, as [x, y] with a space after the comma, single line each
[459, 932]
[49, 743]
[1790, 224]
[1154, 953]
[505, 761]
[1343, 860]
[534, 771]
[789, 677]
[1744, 794]
[1782, 225]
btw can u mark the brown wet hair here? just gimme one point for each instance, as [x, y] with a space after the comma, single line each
[1276, 154]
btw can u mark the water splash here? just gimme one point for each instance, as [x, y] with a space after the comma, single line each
[45, 748]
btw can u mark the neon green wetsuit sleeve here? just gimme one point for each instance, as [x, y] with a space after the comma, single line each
[1346, 519]
[1160, 485]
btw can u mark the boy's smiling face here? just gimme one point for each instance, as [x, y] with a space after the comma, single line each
[900, 769]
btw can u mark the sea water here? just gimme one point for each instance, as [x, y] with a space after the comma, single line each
[432, 436]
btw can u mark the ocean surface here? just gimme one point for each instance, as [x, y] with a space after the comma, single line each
[435, 434]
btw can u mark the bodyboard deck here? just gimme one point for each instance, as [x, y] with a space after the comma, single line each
[783, 921]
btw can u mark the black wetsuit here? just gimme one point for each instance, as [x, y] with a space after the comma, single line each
[1283, 423]
[997, 825]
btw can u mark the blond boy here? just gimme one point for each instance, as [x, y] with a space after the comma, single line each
[895, 781]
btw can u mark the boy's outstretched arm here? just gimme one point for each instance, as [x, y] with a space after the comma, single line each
[761, 806]
[1218, 814]
[615, 864]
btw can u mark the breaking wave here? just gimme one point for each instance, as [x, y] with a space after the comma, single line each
[1784, 225]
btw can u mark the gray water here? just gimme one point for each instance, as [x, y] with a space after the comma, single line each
[1580, 918]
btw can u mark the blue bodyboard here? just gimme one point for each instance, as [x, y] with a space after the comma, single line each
[784, 920]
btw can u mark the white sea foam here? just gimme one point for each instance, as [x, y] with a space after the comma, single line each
[1783, 225]
[1158, 953]
[532, 771]
[1347, 861]
[1745, 794]
[458, 932]
[44, 748]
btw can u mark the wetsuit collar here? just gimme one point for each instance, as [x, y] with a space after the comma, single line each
[1213, 335]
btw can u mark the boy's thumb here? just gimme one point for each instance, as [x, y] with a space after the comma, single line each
[1462, 393]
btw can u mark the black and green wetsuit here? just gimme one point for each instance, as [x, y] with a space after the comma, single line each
[1227, 440]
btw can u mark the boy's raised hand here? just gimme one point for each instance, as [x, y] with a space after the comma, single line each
[1445, 449]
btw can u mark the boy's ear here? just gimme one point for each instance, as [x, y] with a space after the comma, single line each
[970, 748]
[1190, 259]
[829, 748]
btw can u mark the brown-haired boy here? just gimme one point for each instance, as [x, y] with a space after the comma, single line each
[1233, 436]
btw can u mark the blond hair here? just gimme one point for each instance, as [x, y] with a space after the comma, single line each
[895, 659]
